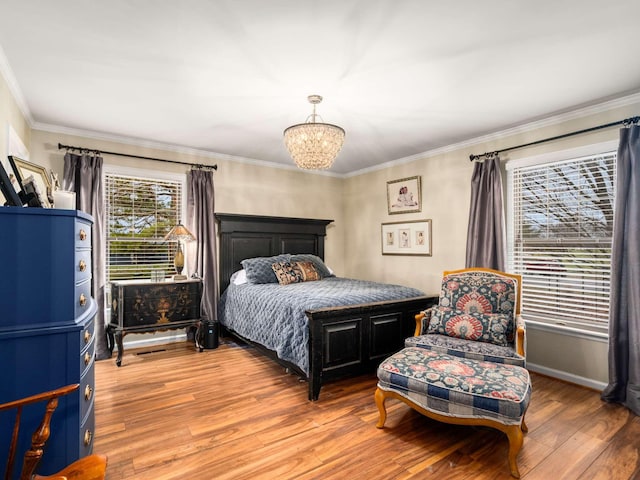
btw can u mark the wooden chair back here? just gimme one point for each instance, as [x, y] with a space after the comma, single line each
[92, 467]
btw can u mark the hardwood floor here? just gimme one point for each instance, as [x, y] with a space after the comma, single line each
[231, 413]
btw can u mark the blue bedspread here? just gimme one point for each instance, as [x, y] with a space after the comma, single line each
[273, 315]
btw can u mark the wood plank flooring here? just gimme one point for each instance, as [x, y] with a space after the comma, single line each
[231, 413]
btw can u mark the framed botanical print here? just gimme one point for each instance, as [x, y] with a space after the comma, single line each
[407, 238]
[404, 195]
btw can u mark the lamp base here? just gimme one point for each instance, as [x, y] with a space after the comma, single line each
[177, 278]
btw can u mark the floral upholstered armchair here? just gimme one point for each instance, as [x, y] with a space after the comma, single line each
[477, 317]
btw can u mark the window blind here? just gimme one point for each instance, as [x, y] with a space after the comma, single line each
[139, 213]
[559, 240]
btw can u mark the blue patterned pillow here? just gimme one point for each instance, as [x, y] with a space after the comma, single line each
[259, 269]
[480, 327]
[323, 270]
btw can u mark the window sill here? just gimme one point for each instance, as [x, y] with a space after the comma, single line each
[568, 331]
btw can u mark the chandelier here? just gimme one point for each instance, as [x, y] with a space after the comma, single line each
[314, 145]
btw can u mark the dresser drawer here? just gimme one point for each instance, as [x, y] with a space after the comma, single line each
[87, 391]
[82, 265]
[83, 300]
[83, 234]
[87, 432]
[87, 359]
[87, 335]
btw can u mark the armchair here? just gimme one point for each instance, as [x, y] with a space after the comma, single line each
[477, 317]
[466, 363]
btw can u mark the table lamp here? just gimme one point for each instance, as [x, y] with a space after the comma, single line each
[180, 234]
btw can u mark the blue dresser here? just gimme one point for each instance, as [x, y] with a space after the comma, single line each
[47, 335]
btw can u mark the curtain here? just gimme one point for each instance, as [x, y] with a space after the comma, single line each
[624, 310]
[486, 231]
[83, 175]
[202, 252]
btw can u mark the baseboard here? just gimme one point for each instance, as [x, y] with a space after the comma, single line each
[567, 377]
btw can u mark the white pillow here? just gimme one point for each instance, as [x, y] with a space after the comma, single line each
[239, 277]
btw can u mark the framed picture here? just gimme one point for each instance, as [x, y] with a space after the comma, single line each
[8, 193]
[404, 195]
[407, 238]
[41, 180]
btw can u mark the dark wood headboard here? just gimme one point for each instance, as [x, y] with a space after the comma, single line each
[249, 236]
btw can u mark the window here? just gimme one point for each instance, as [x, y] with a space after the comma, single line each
[560, 228]
[139, 213]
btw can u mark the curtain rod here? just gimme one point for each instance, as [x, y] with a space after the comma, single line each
[626, 122]
[82, 149]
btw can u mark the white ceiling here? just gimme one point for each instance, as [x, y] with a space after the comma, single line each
[400, 76]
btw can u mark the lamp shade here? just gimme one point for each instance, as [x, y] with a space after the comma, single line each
[180, 233]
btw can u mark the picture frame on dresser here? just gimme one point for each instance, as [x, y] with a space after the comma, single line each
[24, 170]
[10, 196]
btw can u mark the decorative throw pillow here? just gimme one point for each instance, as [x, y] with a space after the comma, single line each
[308, 271]
[295, 272]
[322, 269]
[286, 273]
[259, 269]
[480, 327]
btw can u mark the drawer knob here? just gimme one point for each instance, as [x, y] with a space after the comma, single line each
[82, 266]
[83, 300]
[87, 336]
[87, 358]
[87, 437]
[87, 392]
[83, 234]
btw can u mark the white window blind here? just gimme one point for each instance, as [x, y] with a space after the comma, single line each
[140, 212]
[560, 234]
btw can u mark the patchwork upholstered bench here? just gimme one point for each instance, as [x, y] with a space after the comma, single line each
[457, 390]
[465, 364]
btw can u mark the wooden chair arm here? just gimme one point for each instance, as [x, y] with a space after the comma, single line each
[420, 317]
[520, 335]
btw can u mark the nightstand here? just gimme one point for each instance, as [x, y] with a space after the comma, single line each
[142, 306]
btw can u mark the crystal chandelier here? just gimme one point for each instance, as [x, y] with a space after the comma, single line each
[314, 145]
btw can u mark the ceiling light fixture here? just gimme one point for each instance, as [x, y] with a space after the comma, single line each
[314, 145]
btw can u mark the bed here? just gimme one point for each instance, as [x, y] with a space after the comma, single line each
[331, 328]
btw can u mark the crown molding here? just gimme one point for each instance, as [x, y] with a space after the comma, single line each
[526, 127]
[90, 134]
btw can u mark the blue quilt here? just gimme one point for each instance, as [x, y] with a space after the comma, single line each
[273, 315]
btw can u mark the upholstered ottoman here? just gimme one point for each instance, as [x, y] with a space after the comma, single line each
[458, 390]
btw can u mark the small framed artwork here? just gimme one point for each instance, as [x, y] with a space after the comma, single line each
[407, 238]
[404, 195]
[41, 183]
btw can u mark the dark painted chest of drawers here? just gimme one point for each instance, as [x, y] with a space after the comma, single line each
[139, 306]
[47, 335]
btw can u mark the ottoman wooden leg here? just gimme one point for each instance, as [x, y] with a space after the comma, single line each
[380, 399]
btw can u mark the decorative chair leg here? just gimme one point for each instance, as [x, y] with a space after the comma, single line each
[380, 399]
[525, 429]
[514, 434]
